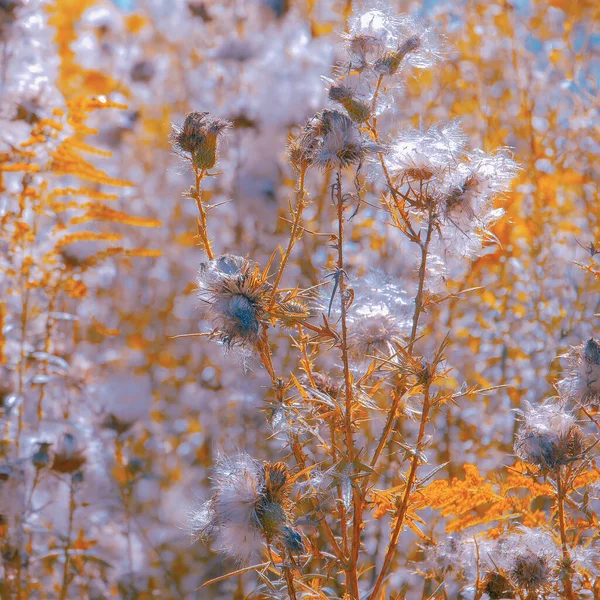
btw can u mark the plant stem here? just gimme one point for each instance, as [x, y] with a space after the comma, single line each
[421, 285]
[65, 579]
[202, 224]
[351, 568]
[294, 237]
[560, 501]
[402, 509]
[289, 580]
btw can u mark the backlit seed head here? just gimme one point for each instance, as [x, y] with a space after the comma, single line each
[581, 383]
[532, 571]
[549, 437]
[250, 505]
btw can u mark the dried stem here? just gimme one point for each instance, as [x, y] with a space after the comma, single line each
[421, 285]
[403, 507]
[352, 566]
[294, 234]
[560, 502]
[65, 579]
[202, 223]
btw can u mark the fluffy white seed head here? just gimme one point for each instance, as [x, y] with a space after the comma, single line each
[581, 383]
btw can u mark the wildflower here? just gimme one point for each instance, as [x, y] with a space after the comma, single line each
[68, 457]
[358, 110]
[378, 318]
[582, 381]
[373, 334]
[466, 195]
[524, 559]
[549, 437]
[472, 185]
[41, 457]
[250, 505]
[390, 62]
[330, 140]
[422, 153]
[382, 40]
[233, 296]
[198, 138]
[497, 586]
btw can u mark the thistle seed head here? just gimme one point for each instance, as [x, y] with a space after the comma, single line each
[250, 505]
[549, 437]
[233, 299]
[581, 382]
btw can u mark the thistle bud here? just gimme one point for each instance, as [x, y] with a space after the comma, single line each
[198, 139]
[390, 62]
[41, 457]
[497, 586]
[68, 458]
[357, 110]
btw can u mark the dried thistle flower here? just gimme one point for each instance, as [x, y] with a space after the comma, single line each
[197, 139]
[390, 62]
[330, 140]
[378, 318]
[68, 457]
[466, 193]
[529, 558]
[233, 298]
[549, 436]
[582, 379]
[250, 506]
[380, 39]
[419, 154]
[497, 586]
[358, 110]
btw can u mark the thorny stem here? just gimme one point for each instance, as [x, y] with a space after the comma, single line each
[421, 285]
[267, 360]
[300, 204]
[351, 568]
[289, 580]
[560, 501]
[202, 224]
[403, 507]
[65, 579]
[401, 512]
